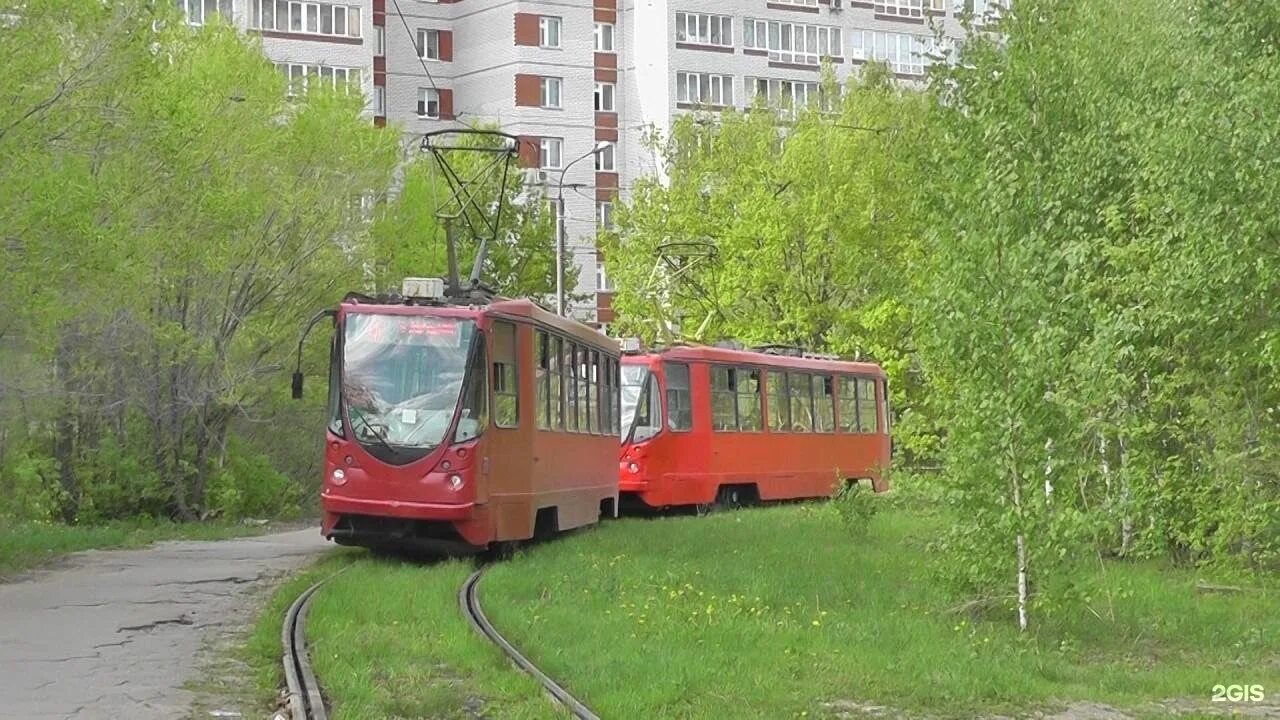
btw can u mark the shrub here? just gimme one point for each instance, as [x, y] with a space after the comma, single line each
[856, 505]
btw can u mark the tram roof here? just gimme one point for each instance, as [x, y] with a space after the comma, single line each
[704, 353]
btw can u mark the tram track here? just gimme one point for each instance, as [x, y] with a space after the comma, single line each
[470, 602]
[304, 701]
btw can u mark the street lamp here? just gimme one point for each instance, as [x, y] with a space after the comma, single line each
[560, 225]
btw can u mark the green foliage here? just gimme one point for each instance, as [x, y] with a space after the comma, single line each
[248, 486]
[170, 219]
[28, 486]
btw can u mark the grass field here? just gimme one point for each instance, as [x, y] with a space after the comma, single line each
[28, 545]
[771, 613]
[776, 613]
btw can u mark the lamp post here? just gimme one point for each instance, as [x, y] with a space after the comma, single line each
[560, 224]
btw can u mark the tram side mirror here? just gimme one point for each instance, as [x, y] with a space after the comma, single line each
[297, 386]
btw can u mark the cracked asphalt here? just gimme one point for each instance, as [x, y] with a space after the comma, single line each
[115, 634]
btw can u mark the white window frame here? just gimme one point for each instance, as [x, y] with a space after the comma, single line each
[549, 149]
[607, 158]
[702, 28]
[604, 215]
[549, 31]
[342, 20]
[379, 101]
[904, 54]
[379, 40]
[424, 42]
[777, 90]
[605, 36]
[801, 3]
[704, 89]
[900, 8]
[603, 283]
[551, 92]
[300, 76]
[606, 91]
[790, 42]
[427, 97]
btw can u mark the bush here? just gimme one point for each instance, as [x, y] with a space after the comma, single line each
[856, 505]
[249, 486]
[29, 489]
[119, 481]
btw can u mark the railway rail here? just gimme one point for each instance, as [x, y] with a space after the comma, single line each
[304, 701]
[470, 602]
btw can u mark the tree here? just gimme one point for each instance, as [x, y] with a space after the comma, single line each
[791, 226]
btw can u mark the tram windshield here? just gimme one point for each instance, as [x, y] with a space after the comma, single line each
[402, 377]
[641, 414]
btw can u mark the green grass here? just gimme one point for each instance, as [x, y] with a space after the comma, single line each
[28, 545]
[777, 613]
[388, 640]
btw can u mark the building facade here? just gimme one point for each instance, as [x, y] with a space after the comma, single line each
[586, 83]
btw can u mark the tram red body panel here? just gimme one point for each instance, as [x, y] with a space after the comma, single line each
[486, 488]
[686, 467]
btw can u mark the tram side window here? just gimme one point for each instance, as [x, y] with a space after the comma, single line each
[724, 414]
[747, 384]
[542, 379]
[824, 403]
[569, 367]
[866, 405]
[848, 404]
[606, 394]
[801, 386]
[506, 401]
[679, 407]
[593, 391]
[557, 385]
[475, 398]
[779, 403]
[335, 389]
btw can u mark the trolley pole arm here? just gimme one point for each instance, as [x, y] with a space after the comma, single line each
[297, 372]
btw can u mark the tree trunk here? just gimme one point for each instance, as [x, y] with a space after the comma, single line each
[1022, 583]
[64, 433]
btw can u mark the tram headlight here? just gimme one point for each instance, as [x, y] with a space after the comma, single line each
[634, 468]
[339, 476]
[455, 482]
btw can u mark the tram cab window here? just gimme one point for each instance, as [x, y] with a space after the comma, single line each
[724, 414]
[335, 389]
[641, 410]
[475, 398]
[506, 410]
[617, 398]
[779, 403]
[679, 407]
[747, 386]
[867, 405]
[824, 404]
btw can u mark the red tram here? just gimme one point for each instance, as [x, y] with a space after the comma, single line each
[713, 426]
[453, 426]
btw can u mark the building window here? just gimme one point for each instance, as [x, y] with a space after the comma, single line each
[782, 92]
[679, 407]
[792, 42]
[605, 159]
[550, 89]
[704, 89]
[604, 37]
[199, 12]
[302, 17]
[549, 153]
[302, 76]
[903, 53]
[604, 215]
[704, 29]
[548, 32]
[429, 44]
[604, 97]
[800, 3]
[506, 408]
[379, 100]
[603, 282]
[900, 8]
[428, 103]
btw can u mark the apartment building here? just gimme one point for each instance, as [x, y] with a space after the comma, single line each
[583, 83]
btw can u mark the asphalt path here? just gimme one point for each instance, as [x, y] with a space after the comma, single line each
[115, 634]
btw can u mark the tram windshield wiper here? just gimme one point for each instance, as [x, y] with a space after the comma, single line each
[382, 439]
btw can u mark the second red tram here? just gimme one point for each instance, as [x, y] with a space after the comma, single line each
[452, 427]
[715, 426]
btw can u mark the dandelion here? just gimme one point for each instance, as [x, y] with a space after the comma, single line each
[817, 624]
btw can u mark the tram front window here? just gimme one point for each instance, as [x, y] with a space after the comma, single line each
[402, 377]
[641, 414]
